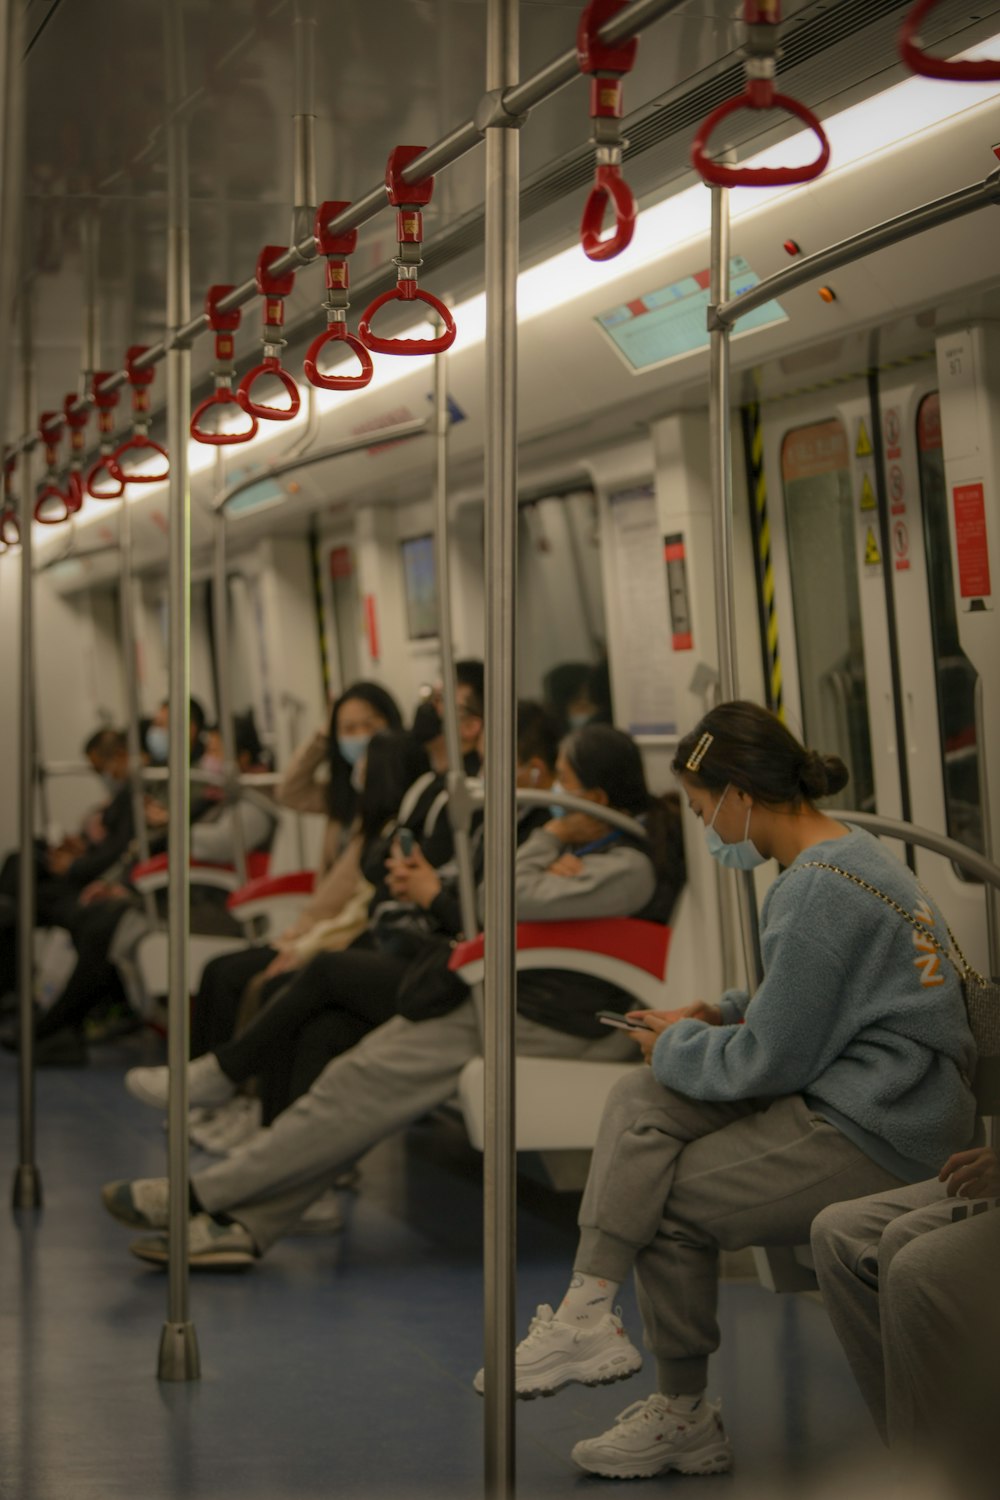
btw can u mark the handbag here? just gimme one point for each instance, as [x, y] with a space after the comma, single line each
[428, 987]
[982, 996]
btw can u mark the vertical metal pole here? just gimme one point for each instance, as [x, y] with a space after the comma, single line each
[459, 806]
[722, 531]
[179, 1358]
[305, 34]
[220, 629]
[499, 1162]
[12, 158]
[27, 1181]
[126, 626]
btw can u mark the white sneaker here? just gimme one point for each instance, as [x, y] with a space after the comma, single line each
[230, 1125]
[207, 1084]
[649, 1437]
[555, 1354]
[211, 1246]
[141, 1204]
[323, 1216]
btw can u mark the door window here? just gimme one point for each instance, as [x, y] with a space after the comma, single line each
[955, 675]
[816, 477]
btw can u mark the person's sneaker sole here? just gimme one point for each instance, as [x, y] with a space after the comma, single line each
[117, 1199]
[155, 1098]
[713, 1458]
[604, 1372]
[155, 1252]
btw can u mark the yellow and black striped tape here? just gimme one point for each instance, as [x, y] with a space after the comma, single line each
[753, 432]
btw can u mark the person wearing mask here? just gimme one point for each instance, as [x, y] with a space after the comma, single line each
[846, 1073]
[339, 996]
[320, 779]
[908, 1278]
[569, 868]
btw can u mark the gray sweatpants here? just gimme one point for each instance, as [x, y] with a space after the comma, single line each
[395, 1074]
[673, 1180]
[912, 1295]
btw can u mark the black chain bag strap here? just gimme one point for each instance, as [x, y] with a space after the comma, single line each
[982, 996]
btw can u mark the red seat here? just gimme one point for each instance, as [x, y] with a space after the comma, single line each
[153, 874]
[623, 950]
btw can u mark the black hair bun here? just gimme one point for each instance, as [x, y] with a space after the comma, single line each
[822, 775]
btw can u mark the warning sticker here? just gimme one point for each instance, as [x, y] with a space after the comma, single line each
[897, 490]
[867, 494]
[872, 555]
[892, 428]
[863, 446]
[971, 541]
[901, 546]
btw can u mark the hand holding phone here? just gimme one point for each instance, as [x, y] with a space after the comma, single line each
[622, 1023]
[405, 838]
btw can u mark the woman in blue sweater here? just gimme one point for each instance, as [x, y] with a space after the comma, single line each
[846, 1073]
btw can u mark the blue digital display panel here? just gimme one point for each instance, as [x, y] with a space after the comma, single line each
[664, 324]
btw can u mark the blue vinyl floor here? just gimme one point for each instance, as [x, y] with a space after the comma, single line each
[339, 1368]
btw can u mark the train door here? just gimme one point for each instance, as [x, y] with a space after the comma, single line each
[871, 663]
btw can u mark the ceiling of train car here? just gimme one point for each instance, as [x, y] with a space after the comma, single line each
[385, 71]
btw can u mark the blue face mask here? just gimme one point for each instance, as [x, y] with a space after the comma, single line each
[742, 856]
[554, 809]
[352, 747]
[158, 744]
[578, 721]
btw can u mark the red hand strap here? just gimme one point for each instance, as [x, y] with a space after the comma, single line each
[337, 333]
[724, 176]
[407, 291]
[987, 70]
[145, 447]
[93, 485]
[271, 365]
[609, 187]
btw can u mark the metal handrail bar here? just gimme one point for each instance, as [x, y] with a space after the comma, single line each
[925, 838]
[878, 237]
[514, 102]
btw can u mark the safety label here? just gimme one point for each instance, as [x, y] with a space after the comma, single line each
[971, 541]
[863, 444]
[872, 555]
[867, 493]
[897, 490]
[892, 427]
[901, 546]
[677, 592]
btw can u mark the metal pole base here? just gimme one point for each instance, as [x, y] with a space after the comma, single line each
[27, 1191]
[179, 1357]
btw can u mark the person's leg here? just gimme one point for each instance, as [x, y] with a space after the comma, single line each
[223, 980]
[845, 1244]
[93, 975]
[321, 1040]
[370, 977]
[941, 1334]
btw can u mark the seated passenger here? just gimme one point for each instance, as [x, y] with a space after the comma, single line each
[573, 867]
[846, 1073]
[340, 996]
[909, 1280]
[356, 986]
[428, 726]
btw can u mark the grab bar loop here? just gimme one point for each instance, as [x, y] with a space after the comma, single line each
[762, 19]
[140, 442]
[223, 325]
[984, 70]
[336, 248]
[606, 66]
[106, 402]
[76, 421]
[407, 199]
[274, 289]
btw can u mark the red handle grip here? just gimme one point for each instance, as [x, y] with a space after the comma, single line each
[51, 507]
[722, 176]
[75, 420]
[93, 479]
[103, 400]
[407, 291]
[337, 334]
[269, 366]
[987, 70]
[595, 56]
[10, 529]
[222, 397]
[74, 492]
[609, 187]
[140, 444]
[138, 378]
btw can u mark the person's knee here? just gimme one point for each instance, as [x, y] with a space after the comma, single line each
[831, 1234]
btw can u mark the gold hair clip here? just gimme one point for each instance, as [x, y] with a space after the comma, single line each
[699, 752]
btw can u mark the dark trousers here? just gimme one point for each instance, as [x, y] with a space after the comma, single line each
[55, 906]
[316, 1015]
[217, 1003]
[94, 978]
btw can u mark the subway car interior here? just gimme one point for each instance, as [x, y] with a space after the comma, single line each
[700, 407]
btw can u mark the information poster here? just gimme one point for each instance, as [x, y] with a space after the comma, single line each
[646, 704]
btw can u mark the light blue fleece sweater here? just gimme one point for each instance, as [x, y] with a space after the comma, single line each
[852, 1012]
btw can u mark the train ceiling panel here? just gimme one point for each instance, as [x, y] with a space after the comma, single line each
[375, 73]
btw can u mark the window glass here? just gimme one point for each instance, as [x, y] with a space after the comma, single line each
[820, 523]
[955, 675]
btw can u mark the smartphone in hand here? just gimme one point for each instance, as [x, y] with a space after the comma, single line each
[405, 837]
[615, 1018]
